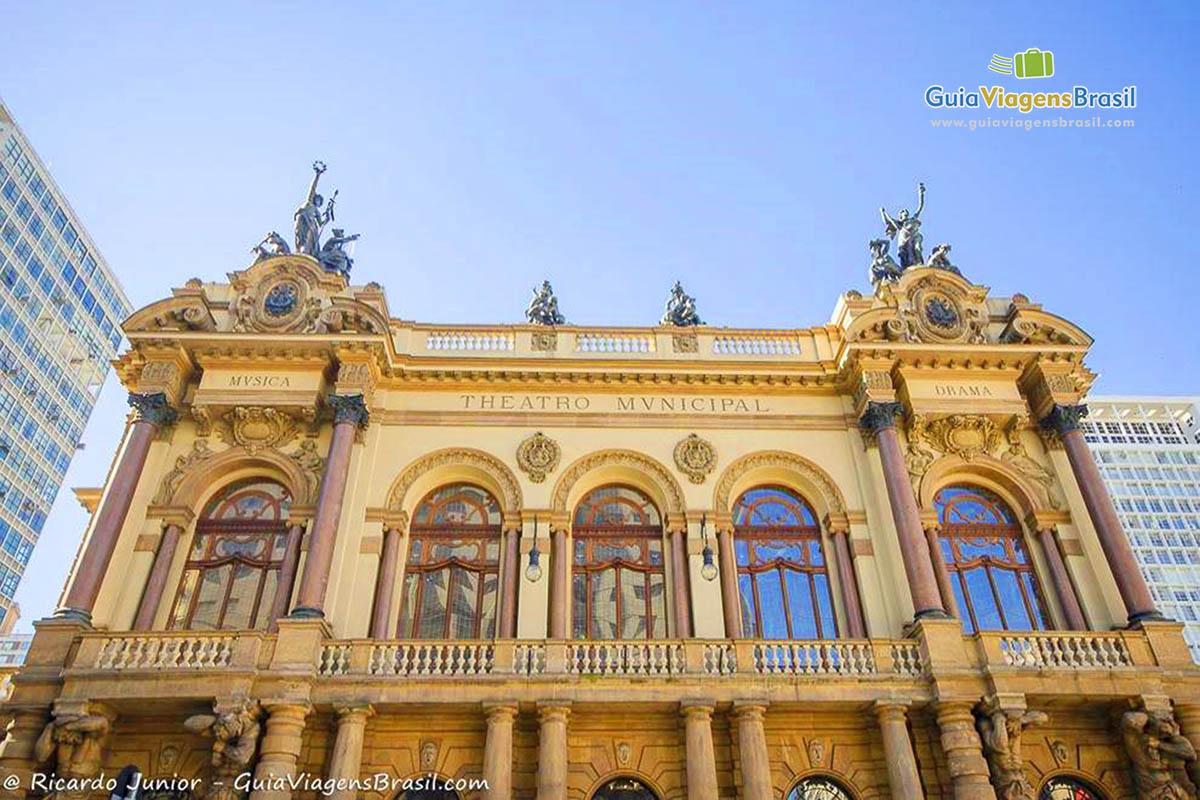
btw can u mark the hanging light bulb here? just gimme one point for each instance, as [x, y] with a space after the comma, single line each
[708, 569]
[534, 571]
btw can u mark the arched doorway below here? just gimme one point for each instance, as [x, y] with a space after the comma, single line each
[819, 787]
[624, 789]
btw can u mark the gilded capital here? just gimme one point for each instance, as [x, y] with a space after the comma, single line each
[880, 415]
[153, 408]
[1064, 419]
[348, 408]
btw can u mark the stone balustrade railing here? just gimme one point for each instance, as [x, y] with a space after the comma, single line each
[168, 650]
[641, 659]
[574, 342]
[1061, 650]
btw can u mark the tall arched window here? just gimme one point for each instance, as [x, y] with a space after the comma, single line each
[818, 787]
[783, 579]
[990, 571]
[232, 568]
[453, 569]
[618, 587]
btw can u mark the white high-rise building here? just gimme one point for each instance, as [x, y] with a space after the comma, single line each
[60, 324]
[1148, 450]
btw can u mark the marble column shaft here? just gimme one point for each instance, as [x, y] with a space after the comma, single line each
[345, 762]
[752, 751]
[157, 582]
[560, 565]
[385, 582]
[498, 750]
[552, 751]
[280, 750]
[1063, 588]
[903, 777]
[701, 760]
[680, 584]
[730, 602]
[510, 581]
[287, 574]
[848, 584]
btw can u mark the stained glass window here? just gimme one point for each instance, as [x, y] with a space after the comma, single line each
[232, 568]
[818, 787]
[992, 576]
[452, 575]
[783, 577]
[1064, 787]
[618, 587]
[624, 789]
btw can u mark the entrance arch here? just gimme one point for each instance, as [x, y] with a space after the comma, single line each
[624, 788]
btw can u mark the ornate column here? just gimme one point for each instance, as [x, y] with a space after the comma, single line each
[1139, 605]
[752, 751]
[1073, 613]
[157, 582]
[509, 582]
[345, 763]
[280, 749]
[964, 751]
[879, 419]
[730, 602]
[498, 750]
[839, 533]
[287, 573]
[349, 414]
[681, 583]
[940, 571]
[552, 750]
[903, 777]
[152, 413]
[560, 566]
[385, 581]
[701, 761]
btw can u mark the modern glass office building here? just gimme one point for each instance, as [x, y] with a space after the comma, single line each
[60, 314]
[1148, 450]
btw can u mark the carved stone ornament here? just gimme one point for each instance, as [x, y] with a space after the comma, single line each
[235, 734]
[934, 309]
[1160, 756]
[779, 459]
[624, 753]
[153, 408]
[255, 428]
[183, 465]
[538, 456]
[202, 416]
[510, 490]
[1019, 459]
[72, 744]
[816, 752]
[310, 463]
[283, 301]
[348, 408]
[685, 343]
[544, 341]
[158, 375]
[429, 754]
[1000, 732]
[695, 457]
[964, 435]
[1060, 751]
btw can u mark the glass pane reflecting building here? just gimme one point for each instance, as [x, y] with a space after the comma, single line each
[1148, 450]
[60, 314]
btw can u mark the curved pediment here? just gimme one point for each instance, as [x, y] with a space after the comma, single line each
[1029, 324]
[926, 305]
[183, 312]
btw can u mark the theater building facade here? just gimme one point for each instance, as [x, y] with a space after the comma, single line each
[867, 559]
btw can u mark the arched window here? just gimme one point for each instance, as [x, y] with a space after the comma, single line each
[783, 580]
[232, 568]
[453, 567]
[819, 787]
[1065, 787]
[624, 789]
[617, 581]
[989, 569]
[429, 794]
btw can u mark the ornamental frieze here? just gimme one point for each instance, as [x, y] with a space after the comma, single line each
[695, 457]
[538, 456]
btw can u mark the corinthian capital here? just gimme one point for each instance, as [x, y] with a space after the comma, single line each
[349, 408]
[881, 415]
[153, 408]
[1063, 419]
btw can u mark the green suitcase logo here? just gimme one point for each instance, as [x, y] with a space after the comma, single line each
[1033, 63]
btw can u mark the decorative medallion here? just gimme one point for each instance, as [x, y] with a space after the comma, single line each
[940, 313]
[429, 754]
[1058, 749]
[281, 300]
[695, 457]
[624, 752]
[538, 456]
[964, 435]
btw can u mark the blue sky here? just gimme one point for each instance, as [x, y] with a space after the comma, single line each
[613, 148]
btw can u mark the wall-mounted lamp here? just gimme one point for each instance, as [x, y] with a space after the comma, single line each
[534, 571]
[708, 570]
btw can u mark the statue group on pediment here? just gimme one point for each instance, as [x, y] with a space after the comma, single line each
[905, 230]
[310, 220]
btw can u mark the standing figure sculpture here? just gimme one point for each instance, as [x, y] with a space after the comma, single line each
[883, 266]
[1159, 754]
[76, 741]
[543, 307]
[272, 245]
[235, 739]
[332, 257]
[905, 229]
[310, 219]
[680, 310]
[1001, 732]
